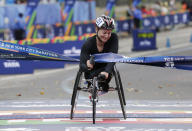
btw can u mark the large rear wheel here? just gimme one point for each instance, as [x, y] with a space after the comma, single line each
[75, 93]
[120, 95]
[121, 87]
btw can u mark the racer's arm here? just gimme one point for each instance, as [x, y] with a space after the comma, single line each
[84, 58]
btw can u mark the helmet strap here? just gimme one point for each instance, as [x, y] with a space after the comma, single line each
[98, 36]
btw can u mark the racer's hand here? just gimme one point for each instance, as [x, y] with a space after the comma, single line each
[89, 65]
[106, 74]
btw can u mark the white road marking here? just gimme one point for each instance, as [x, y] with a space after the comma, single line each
[16, 121]
[5, 113]
[19, 129]
[129, 119]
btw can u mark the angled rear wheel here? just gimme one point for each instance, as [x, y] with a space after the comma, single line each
[75, 93]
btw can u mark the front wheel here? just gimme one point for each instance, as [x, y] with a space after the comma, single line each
[94, 98]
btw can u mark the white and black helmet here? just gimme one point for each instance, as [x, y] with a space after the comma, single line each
[105, 22]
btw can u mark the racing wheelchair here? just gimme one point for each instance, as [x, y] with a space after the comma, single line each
[93, 90]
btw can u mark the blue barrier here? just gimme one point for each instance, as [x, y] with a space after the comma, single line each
[16, 67]
[162, 21]
[144, 40]
[126, 25]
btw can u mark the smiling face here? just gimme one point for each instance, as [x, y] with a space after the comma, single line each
[104, 34]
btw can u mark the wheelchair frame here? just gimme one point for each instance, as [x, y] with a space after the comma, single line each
[94, 90]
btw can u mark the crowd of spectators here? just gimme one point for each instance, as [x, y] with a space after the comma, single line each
[162, 8]
[143, 10]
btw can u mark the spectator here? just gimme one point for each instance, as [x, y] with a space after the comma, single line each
[8, 35]
[164, 9]
[157, 7]
[144, 11]
[189, 7]
[129, 12]
[19, 31]
[152, 12]
[49, 32]
[137, 17]
[172, 5]
[183, 6]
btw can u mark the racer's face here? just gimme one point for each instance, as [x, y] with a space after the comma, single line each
[104, 34]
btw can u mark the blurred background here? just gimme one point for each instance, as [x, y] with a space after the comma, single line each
[53, 18]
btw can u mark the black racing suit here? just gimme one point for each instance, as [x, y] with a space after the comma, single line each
[89, 48]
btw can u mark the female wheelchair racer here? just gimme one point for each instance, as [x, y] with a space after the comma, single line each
[103, 42]
[98, 75]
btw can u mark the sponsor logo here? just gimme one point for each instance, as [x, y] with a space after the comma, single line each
[167, 20]
[69, 2]
[130, 60]
[176, 19]
[147, 22]
[169, 64]
[73, 50]
[145, 43]
[11, 64]
[125, 26]
[157, 22]
[174, 59]
[31, 3]
[89, 30]
[184, 18]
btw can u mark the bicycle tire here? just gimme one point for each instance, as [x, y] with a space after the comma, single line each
[120, 96]
[94, 91]
[121, 87]
[73, 106]
[75, 94]
[77, 79]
